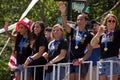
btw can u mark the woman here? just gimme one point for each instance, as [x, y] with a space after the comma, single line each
[39, 46]
[57, 52]
[80, 40]
[22, 44]
[108, 38]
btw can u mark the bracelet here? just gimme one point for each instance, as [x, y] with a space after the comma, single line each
[30, 59]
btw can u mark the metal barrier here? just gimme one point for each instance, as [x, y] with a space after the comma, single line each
[67, 70]
[111, 68]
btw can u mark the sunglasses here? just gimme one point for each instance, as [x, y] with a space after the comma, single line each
[111, 21]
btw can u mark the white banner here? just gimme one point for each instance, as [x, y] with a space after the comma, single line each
[33, 2]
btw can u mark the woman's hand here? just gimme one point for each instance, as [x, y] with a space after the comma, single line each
[24, 66]
[26, 63]
[101, 29]
[46, 66]
[62, 8]
[6, 26]
[78, 62]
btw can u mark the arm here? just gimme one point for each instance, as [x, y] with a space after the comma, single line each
[62, 8]
[34, 57]
[8, 33]
[39, 54]
[87, 55]
[59, 57]
[95, 39]
[45, 55]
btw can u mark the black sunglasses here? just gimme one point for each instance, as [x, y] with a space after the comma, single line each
[111, 21]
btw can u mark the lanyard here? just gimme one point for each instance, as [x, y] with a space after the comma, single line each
[106, 36]
[22, 42]
[53, 46]
[78, 38]
[105, 42]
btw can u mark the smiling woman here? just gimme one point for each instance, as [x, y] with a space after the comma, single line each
[39, 46]
[57, 50]
[22, 44]
[109, 44]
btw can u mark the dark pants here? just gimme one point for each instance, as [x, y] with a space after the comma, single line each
[39, 70]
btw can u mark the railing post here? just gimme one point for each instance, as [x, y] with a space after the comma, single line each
[25, 74]
[34, 72]
[97, 78]
[58, 72]
[91, 69]
[21, 76]
[111, 70]
[54, 71]
[43, 72]
[79, 72]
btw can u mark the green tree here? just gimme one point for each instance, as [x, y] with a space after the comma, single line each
[47, 11]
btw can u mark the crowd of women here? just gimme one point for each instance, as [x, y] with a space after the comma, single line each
[37, 45]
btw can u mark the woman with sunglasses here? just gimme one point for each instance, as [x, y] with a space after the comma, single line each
[108, 38]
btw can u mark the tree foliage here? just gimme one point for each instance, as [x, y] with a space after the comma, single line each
[47, 11]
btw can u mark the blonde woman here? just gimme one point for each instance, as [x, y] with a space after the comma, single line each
[57, 52]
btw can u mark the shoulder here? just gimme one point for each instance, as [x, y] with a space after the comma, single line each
[117, 31]
[63, 40]
[42, 37]
[89, 34]
[50, 43]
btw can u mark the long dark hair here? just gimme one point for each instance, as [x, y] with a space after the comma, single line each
[18, 39]
[42, 25]
[35, 37]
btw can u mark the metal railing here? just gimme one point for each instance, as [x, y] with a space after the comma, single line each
[67, 70]
[111, 68]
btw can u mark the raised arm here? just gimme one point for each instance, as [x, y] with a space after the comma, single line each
[95, 39]
[8, 33]
[62, 8]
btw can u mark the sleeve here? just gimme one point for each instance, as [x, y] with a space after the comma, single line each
[42, 41]
[49, 45]
[64, 44]
[100, 39]
[90, 36]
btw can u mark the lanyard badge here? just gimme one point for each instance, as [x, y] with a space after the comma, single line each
[78, 38]
[22, 42]
[106, 38]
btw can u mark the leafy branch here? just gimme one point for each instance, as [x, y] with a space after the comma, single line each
[113, 8]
